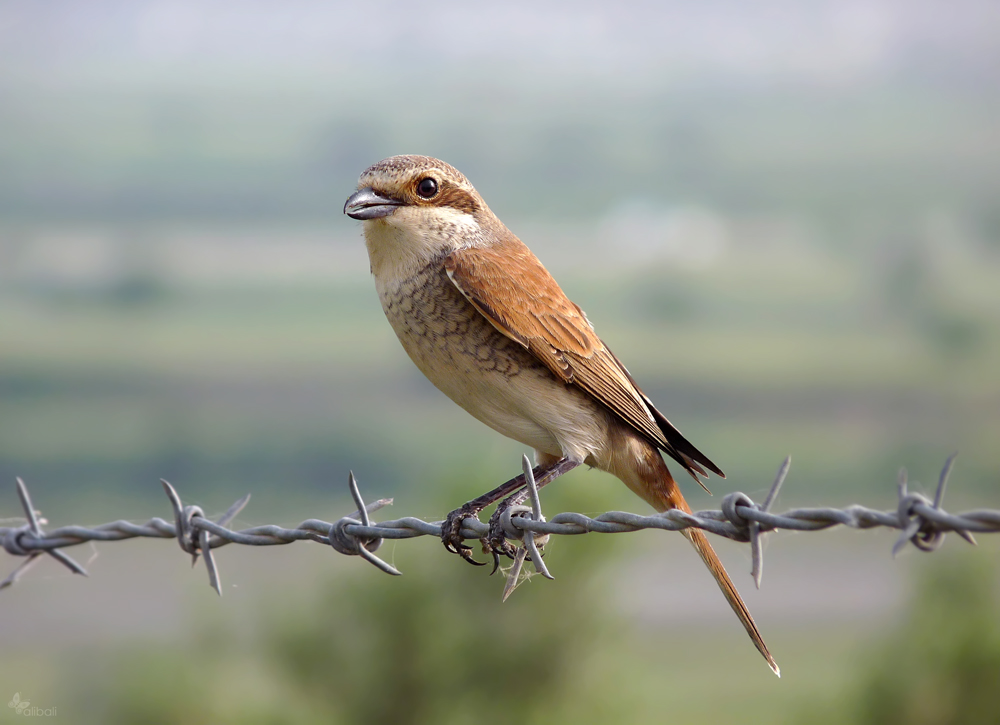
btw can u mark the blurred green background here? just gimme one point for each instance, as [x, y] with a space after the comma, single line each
[782, 216]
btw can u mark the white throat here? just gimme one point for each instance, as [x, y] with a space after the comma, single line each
[402, 244]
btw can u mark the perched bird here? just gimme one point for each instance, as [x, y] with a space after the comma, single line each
[489, 326]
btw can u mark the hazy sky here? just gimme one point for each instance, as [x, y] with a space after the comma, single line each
[839, 40]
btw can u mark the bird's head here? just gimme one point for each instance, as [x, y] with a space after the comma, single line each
[405, 186]
[416, 208]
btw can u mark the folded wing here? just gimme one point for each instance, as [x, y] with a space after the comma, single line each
[511, 288]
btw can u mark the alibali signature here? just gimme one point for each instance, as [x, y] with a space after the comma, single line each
[23, 707]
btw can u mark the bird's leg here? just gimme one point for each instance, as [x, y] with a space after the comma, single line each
[452, 525]
[496, 539]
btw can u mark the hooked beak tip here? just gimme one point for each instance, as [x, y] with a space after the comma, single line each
[367, 204]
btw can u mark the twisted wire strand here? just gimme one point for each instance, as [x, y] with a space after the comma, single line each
[921, 521]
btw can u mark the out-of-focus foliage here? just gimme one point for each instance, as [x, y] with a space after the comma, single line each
[942, 666]
[435, 646]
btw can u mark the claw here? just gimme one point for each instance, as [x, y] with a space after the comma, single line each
[498, 545]
[496, 539]
[466, 553]
[504, 547]
[496, 562]
[451, 535]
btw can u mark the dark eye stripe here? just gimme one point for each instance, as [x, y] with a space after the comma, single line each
[457, 199]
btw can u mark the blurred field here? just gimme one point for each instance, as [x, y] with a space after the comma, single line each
[282, 361]
[790, 235]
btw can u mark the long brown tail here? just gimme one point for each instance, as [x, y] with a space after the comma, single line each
[660, 489]
[700, 542]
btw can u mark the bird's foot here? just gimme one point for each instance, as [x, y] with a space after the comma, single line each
[451, 533]
[495, 540]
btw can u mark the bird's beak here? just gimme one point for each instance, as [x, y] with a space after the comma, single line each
[366, 204]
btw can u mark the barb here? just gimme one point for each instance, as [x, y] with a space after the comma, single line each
[12, 539]
[531, 547]
[756, 537]
[921, 522]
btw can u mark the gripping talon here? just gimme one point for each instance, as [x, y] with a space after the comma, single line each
[495, 542]
[501, 547]
[466, 553]
[451, 535]
[496, 539]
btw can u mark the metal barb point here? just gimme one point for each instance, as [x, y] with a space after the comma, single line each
[939, 494]
[194, 539]
[182, 522]
[918, 528]
[921, 521]
[779, 480]
[527, 536]
[34, 527]
[514, 574]
[908, 532]
[213, 572]
[205, 543]
[529, 478]
[349, 544]
[536, 512]
[178, 507]
[233, 511]
[20, 569]
[756, 537]
[352, 483]
[943, 480]
[29, 510]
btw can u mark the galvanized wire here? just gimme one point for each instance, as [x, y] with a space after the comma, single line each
[920, 521]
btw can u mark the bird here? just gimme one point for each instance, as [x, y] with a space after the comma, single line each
[486, 323]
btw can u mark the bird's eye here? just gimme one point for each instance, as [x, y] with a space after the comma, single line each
[427, 187]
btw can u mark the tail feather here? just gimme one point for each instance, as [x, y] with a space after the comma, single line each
[700, 543]
[678, 447]
[656, 485]
[682, 450]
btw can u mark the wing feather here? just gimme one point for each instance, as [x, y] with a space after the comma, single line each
[511, 288]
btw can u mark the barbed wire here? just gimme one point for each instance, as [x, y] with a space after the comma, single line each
[920, 521]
